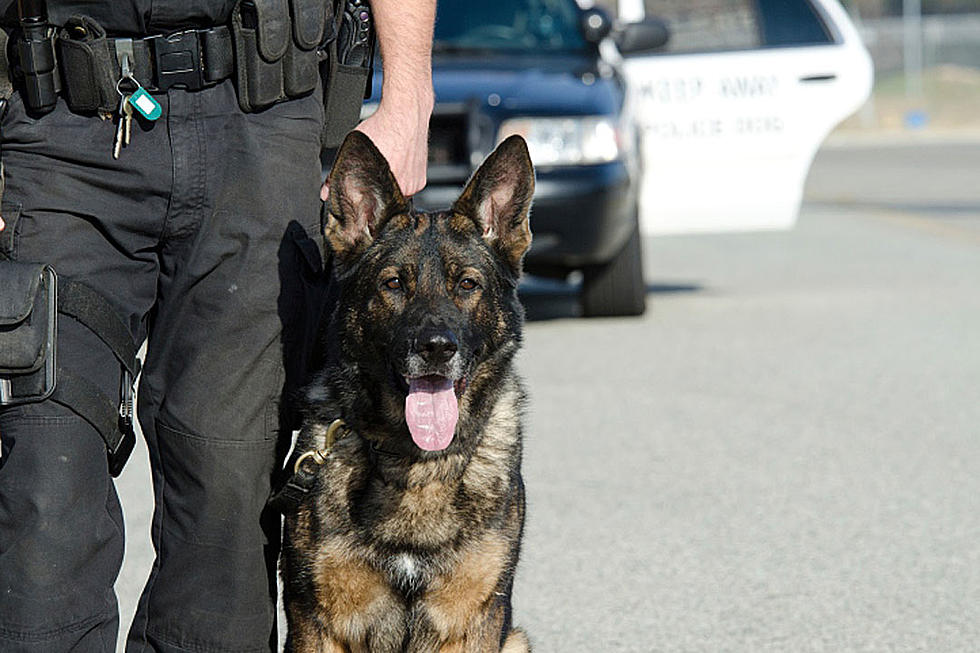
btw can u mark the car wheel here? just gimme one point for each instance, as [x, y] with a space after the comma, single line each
[617, 287]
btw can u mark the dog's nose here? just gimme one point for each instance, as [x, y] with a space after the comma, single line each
[437, 346]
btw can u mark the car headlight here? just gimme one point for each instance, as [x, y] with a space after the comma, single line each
[566, 141]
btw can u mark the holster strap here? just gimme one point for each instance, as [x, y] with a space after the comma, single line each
[113, 419]
[91, 404]
[89, 307]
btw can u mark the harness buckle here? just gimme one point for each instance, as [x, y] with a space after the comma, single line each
[178, 61]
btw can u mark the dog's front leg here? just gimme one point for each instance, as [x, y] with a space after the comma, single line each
[481, 632]
[306, 637]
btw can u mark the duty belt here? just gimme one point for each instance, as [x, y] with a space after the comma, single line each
[193, 59]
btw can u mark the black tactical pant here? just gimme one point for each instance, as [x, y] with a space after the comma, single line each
[199, 235]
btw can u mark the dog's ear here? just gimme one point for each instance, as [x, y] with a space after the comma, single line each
[364, 195]
[498, 198]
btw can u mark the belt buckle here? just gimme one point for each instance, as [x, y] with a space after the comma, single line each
[177, 59]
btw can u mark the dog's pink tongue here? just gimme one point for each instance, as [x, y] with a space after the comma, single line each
[431, 412]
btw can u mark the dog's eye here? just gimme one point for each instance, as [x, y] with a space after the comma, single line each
[468, 284]
[393, 283]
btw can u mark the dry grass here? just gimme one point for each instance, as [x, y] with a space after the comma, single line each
[950, 100]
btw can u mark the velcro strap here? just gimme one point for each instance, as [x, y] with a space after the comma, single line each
[88, 401]
[91, 309]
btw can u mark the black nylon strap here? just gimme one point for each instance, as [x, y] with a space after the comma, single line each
[293, 492]
[89, 307]
[87, 400]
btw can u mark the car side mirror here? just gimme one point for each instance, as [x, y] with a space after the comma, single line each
[595, 25]
[648, 35]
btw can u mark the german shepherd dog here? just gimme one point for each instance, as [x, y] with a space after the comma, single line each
[409, 539]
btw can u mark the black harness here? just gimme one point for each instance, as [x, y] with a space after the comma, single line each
[301, 482]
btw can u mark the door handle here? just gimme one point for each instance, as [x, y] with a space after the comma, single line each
[826, 77]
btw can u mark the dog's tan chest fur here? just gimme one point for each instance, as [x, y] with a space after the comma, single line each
[454, 603]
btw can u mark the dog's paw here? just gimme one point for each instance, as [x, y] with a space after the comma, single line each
[516, 642]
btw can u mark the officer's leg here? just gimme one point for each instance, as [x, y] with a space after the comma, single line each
[214, 373]
[61, 530]
[61, 537]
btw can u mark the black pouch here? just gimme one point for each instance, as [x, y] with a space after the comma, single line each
[28, 332]
[345, 87]
[87, 65]
[343, 96]
[301, 63]
[276, 49]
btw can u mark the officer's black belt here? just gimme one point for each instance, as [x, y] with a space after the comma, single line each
[92, 63]
[193, 59]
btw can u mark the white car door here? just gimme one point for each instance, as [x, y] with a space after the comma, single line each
[733, 110]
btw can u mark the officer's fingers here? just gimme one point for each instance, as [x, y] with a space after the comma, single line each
[403, 147]
[325, 191]
[2, 225]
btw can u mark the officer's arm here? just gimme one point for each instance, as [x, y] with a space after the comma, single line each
[400, 127]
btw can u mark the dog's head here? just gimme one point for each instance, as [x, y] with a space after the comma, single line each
[428, 311]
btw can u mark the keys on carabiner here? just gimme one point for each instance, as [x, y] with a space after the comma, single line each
[127, 109]
[126, 86]
[122, 129]
[132, 97]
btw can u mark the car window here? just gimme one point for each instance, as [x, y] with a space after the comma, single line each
[791, 22]
[719, 25]
[708, 25]
[531, 25]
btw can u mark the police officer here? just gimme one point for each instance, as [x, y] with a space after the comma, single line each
[198, 234]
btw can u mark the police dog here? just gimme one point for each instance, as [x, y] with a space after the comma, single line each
[411, 533]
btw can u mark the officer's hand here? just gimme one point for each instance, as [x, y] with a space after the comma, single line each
[2, 225]
[402, 136]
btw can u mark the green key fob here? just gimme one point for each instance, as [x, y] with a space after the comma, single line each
[144, 103]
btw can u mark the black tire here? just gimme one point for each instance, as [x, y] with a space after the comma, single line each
[617, 287]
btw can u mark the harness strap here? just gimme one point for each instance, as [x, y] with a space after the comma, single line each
[301, 482]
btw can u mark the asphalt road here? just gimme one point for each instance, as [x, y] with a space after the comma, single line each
[782, 455]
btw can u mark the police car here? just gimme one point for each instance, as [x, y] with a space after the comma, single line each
[734, 108]
[724, 103]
